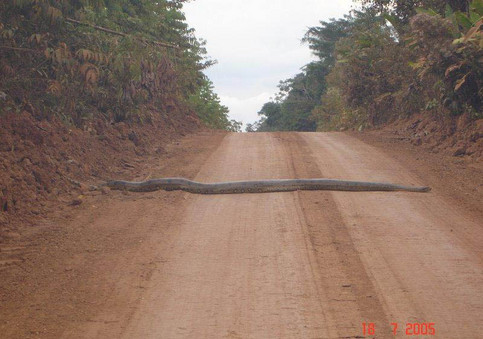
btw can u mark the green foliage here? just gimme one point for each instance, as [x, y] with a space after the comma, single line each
[207, 104]
[371, 73]
[272, 118]
[298, 96]
[292, 108]
[427, 59]
[80, 59]
[347, 48]
[333, 113]
[450, 51]
[322, 39]
[234, 126]
[431, 104]
[253, 127]
[403, 10]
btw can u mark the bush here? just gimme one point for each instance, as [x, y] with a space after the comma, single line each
[449, 59]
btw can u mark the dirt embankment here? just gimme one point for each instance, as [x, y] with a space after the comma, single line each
[454, 136]
[41, 160]
[452, 148]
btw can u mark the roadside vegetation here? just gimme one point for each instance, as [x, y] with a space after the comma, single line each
[388, 60]
[116, 60]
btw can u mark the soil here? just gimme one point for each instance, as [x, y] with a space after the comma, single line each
[46, 166]
[293, 264]
[62, 269]
[460, 137]
[459, 178]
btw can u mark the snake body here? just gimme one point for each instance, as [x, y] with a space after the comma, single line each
[260, 186]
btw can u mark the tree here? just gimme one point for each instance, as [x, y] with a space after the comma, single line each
[322, 39]
[403, 10]
[80, 59]
[371, 72]
[271, 114]
[299, 95]
[209, 108]
[291, 109]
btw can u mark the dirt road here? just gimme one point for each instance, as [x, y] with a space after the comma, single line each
[291, 265]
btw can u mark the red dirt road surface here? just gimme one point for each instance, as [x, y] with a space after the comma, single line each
[276, 265]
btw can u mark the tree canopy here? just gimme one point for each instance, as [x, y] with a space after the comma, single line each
[80, 59]
[392, 58]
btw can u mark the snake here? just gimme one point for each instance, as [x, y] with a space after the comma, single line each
[257, 186]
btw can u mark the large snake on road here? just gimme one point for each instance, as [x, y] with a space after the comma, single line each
[260, 186]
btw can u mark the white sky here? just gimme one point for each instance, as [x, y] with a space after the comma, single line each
[257, 44]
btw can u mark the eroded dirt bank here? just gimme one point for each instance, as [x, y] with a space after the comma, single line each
[295, 264]
[43, 161]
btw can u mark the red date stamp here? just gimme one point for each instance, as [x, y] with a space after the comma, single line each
[419, 329]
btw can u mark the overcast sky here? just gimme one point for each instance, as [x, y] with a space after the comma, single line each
[257, 44]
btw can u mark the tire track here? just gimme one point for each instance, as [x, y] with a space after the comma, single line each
[353, 297]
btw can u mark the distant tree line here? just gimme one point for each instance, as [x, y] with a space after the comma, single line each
[390, 59]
